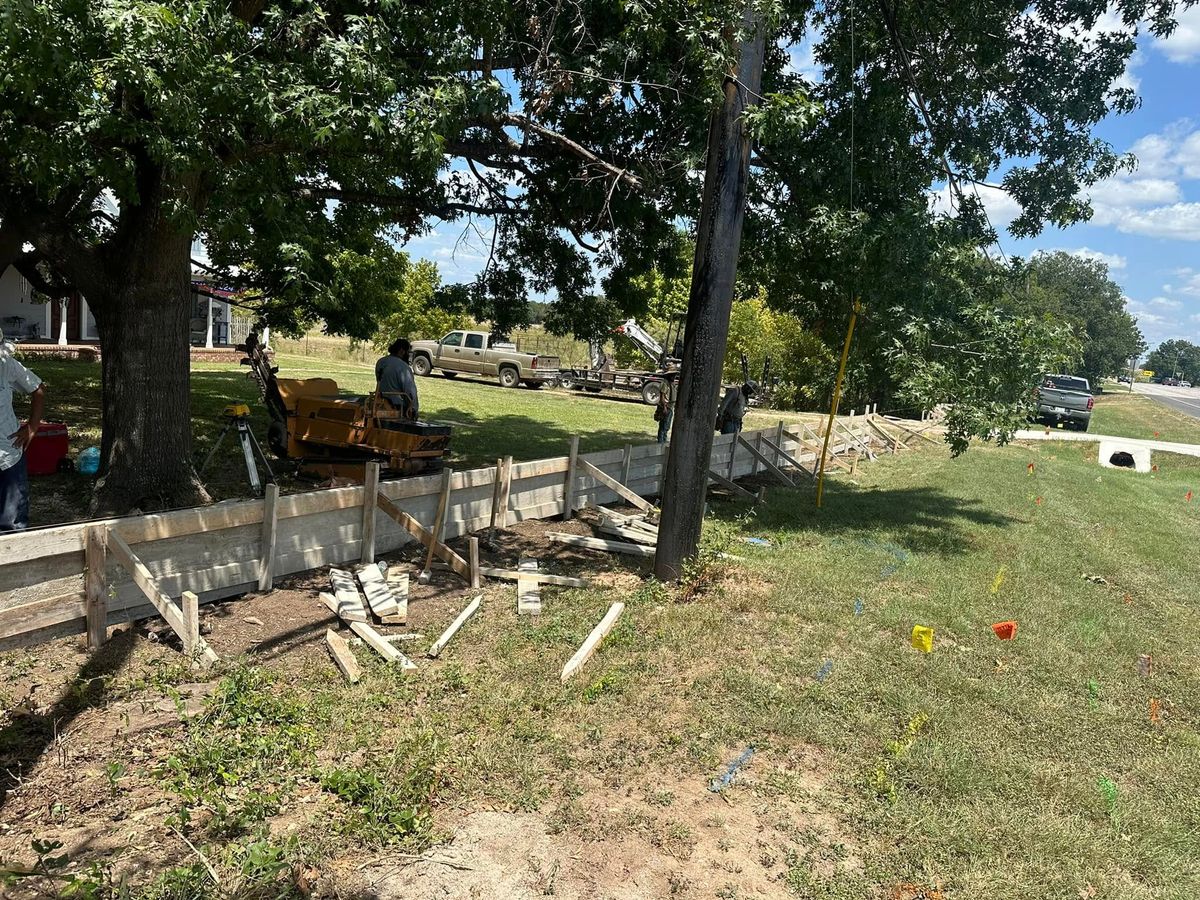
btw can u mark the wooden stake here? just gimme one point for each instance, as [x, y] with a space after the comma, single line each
[497, 487]
[339, 649]
[474, 554]
[761, 457]
[440, 644]
[439, 526]
[569, 486]
[425, 536]
[191, 621]
[599, 633]
[615, 486]
[529, 593]
[266, 566]
[95, 558]
[375, 641]
[370, 495]
[626, 464]
[506, 487]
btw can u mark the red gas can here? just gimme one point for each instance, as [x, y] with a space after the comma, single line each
[48, 447]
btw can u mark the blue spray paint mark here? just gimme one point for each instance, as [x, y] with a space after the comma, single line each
[888, 571]
[825, 669]
[719, 784]
[858, 606]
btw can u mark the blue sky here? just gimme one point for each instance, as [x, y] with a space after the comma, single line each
[1146, 224]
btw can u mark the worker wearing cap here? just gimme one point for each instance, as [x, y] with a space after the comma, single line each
[395, 380]
[15, 437]
[733, 407]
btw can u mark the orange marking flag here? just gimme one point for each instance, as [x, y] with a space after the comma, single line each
[1006, 631]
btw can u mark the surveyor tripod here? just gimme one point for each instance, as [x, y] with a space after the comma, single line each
[237, 417]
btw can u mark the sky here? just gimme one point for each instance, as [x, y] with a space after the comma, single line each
[1146, 224]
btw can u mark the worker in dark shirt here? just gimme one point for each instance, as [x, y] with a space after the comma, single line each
[395, 381]
[733, 407]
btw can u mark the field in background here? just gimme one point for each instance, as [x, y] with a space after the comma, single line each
[985, 770]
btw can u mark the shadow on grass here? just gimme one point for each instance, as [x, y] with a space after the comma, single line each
[26, 738]
[919, 519]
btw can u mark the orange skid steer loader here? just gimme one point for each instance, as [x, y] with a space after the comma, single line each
[332, 435]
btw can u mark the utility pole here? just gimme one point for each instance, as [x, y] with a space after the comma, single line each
[718, 240]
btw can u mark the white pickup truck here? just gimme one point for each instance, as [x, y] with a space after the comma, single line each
[482, 353]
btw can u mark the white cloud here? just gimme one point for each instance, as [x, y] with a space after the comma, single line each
[1180, 221]
[1119, 193]
[1112, 260]
[1183, 46]
[1166, 303]
[1191, 283]
[802, 58]
[1000, 205]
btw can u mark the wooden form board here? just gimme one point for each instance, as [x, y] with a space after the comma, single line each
[529, 588]
[599, 633]
[375, 588]
[576, 540]
[217, 551]
[339, 649]
[440, 644]
[376, 642]
[347, 612]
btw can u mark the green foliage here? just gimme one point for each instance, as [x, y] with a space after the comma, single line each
[804, 364]
[388, 800]
[1065, 288]
[982, 364]
[1175, 358]
[415, 310]
[242, 755]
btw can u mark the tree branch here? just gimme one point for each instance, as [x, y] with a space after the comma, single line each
[573, 147]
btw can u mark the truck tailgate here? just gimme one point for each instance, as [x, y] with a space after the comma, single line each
[548, 363]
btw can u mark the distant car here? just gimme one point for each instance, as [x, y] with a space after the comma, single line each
[1065, 399]
[1123, 379]
[1185, 384]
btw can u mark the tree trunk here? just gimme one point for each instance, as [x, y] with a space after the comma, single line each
[143, 314]
[718, 240]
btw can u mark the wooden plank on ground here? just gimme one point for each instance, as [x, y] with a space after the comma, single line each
[615, 486]
[577, 540]
[370, 504]
[378, 594]
[529, 591]
[397, 582]
[95, 555]
[343, 657]
[440, 644]
[345, 591]
[376, 642]
[346, 612]
[637, 535]
[270, 521]
[542, 577]
[762, 458]
[599, 633]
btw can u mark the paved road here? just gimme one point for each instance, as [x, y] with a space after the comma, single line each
[1185, 400]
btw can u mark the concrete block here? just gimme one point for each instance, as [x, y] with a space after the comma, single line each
[1139, 455]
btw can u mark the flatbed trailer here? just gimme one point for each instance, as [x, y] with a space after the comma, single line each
[630, 381]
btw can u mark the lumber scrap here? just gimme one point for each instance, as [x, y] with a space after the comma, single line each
[591, 543]
[765, 460]
[95, 554]
[346, 612]
[730, 485]
[345, 591]
[541, 577]
[270, 522]
[569, 485]
[370, 504]
[460, 566]
[599, 633]
[397, 582]
[637, 535]
[379, 596]
[615, 486]
[343, 658]
[529, 589]
[171, 613]
[376, 642]
[440, 644]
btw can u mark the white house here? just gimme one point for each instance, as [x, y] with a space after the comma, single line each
[27, 320]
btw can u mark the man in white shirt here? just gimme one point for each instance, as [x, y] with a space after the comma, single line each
[15, 437]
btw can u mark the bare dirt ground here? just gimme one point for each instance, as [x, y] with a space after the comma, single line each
[81, 736]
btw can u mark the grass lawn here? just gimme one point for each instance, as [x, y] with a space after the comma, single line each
[1123, 414]
[985, 770]
[488, 421]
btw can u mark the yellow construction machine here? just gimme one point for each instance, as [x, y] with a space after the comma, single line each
[328, 434]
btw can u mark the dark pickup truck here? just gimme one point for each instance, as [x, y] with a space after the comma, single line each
[1065, 399]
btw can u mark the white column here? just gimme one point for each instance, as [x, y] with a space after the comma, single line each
[49, 322]
[266, 340]
[62, 322]
[208, 344]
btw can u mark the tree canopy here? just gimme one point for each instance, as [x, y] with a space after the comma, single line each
[299, 140]
[1175, 359]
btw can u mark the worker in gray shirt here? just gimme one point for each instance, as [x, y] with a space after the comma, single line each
[733, 407]
[395, 381]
